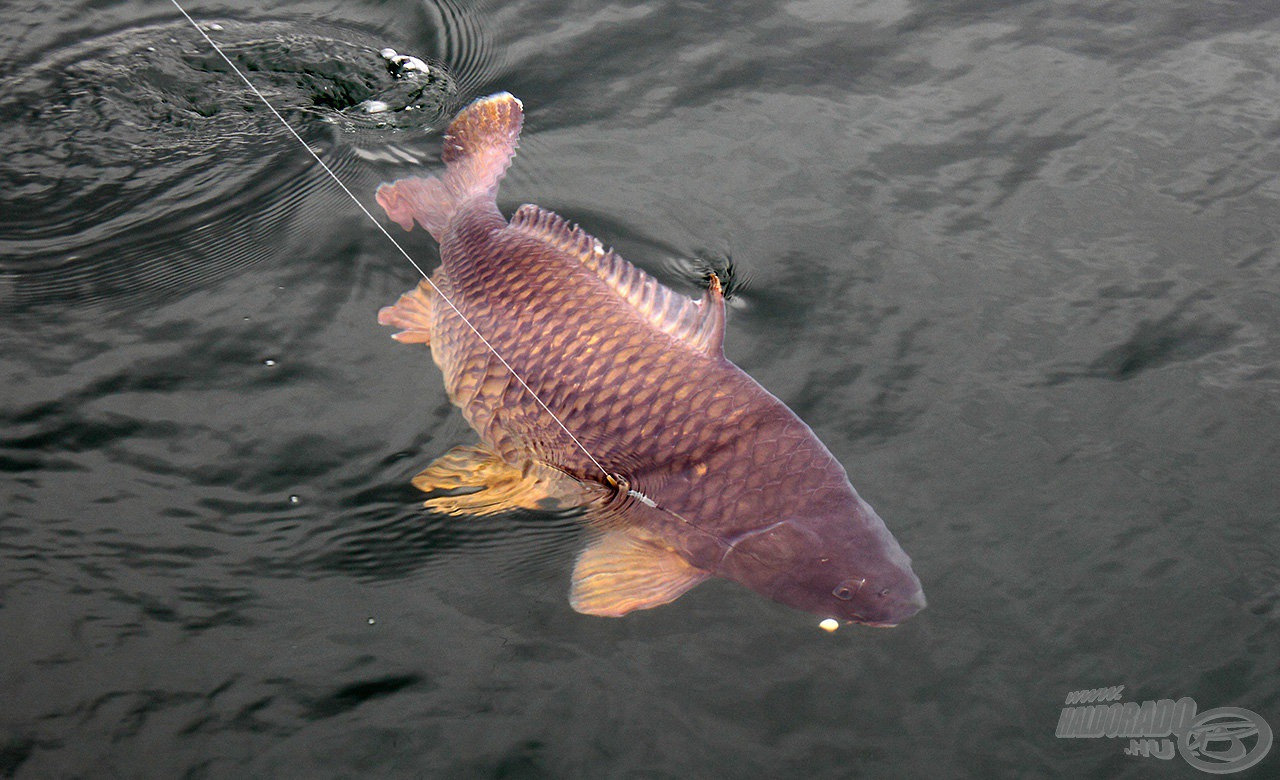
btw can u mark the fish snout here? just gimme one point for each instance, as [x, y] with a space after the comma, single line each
[884, 604]
[889, 606]
[892, 592]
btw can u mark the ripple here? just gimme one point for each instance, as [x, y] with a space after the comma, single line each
[352, 695]
[464, 43]
[391, 541]
[137, 162]
[1177, 337]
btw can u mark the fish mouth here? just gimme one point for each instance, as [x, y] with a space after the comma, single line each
[892, 615]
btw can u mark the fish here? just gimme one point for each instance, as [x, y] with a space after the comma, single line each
[595, 388]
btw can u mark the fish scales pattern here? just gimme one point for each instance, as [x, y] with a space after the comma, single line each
[648, 407]
[718, 476]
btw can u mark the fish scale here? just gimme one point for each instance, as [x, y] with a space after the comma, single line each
[705, 472]
[551, 345]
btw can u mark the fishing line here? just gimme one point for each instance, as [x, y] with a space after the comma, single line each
[611, 479]
[616, 482]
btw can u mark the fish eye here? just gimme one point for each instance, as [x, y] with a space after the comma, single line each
[848, 589]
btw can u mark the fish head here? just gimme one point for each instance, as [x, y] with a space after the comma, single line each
[833, 557]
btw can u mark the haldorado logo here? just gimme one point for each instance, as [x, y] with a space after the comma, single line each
[1218, 741]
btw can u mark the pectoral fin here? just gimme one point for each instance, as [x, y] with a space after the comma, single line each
[412, 312]
[472, 480]
[618, 573]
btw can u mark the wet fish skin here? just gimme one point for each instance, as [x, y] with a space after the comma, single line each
[707, 472]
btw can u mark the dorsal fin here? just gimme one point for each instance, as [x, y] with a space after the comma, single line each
[697, 324]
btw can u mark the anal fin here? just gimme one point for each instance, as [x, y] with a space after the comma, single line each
[412, 312]
[472, 479]
[619, 572]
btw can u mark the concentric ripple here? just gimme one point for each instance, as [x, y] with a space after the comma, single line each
[138, 163]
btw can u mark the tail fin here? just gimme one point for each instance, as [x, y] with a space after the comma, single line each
[478, 148]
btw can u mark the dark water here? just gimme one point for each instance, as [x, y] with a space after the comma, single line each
[1016, 263]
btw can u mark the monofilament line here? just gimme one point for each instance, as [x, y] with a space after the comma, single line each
[609, 477]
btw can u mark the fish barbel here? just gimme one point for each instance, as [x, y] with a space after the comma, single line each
[596, 386]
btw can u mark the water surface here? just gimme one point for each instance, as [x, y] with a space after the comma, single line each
[1016, 263]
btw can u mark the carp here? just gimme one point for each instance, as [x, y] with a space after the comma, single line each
[593, 385]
